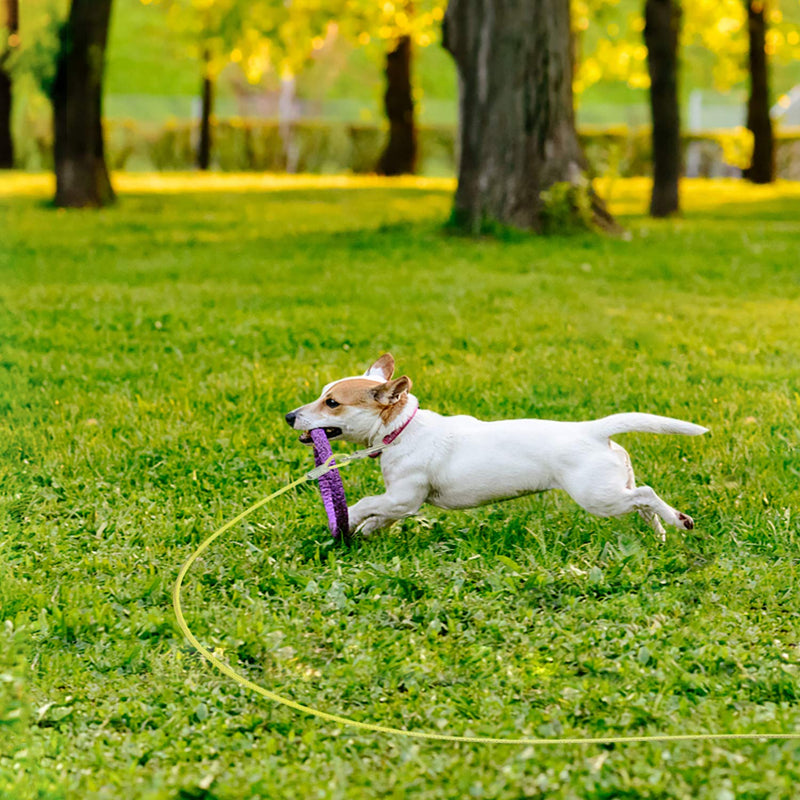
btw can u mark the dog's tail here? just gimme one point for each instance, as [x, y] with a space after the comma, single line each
[643, 423]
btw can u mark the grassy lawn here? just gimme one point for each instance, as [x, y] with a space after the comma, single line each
[148, 355]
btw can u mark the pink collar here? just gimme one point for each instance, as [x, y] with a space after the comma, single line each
[390, 437]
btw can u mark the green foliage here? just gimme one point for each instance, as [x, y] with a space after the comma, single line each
[149, 353]
[566, 207]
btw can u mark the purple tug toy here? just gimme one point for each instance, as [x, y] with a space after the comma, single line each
[330, 487]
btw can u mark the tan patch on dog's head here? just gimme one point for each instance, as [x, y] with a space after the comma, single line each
[351, 392]
[392, 396]
[386, 399]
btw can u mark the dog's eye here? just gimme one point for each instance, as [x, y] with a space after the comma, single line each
[331, 403]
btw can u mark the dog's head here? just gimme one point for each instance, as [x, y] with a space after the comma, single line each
[355, 409]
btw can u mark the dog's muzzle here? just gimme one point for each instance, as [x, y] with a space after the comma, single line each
[305, 436]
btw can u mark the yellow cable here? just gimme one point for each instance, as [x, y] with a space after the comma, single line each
[375, 728]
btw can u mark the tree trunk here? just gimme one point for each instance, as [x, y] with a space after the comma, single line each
[206, 110]
[10, 21]
[517, 121]
[6, 140]
[286, 122]
[661, 34]
[762, 165]
[77, 94]
[400, 155]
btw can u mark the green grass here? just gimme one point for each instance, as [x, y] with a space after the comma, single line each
[149, 353]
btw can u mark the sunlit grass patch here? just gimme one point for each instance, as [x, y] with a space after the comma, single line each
[43, 184]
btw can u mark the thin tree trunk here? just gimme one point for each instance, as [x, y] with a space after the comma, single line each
[517, 121]
[81, 173]
[400, 155]
[6, 139]
[661, 34]
[762, 165]
[10, 21]
[206, 110]
[286, 122]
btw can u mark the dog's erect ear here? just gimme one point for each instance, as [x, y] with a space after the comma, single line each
[382, 369]
[391, 392]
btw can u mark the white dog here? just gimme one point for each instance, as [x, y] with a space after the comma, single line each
[462, 462]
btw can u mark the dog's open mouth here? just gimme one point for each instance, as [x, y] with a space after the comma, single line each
[331, 433]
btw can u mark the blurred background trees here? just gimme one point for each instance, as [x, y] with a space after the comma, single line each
[350, 84]
[397, 28]
[267, 37]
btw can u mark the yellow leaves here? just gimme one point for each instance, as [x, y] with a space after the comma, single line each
[737, 147]
[368, 21]
[729, 25]
[619, 59]
[256, 66]
[774, 41]
[718, 31]
[589, 73]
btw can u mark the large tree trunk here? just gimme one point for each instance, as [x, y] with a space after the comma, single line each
[661, 34]
[206, 110]
[80, 164]
[517, 121]
[762, 166]
[9, 19]
[400, 155]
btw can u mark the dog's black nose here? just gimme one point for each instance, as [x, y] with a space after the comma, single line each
[290, 418]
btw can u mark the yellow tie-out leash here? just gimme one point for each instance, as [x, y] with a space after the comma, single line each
[373, 727]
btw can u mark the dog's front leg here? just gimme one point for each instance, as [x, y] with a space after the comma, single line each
[400, 501]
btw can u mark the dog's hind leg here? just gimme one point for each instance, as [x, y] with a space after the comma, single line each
[648, 504]
[642, 499]
[654, 522]
[604, 486]
[650, 517]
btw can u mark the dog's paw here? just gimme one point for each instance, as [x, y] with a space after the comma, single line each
[366, 527]
[685, 521]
